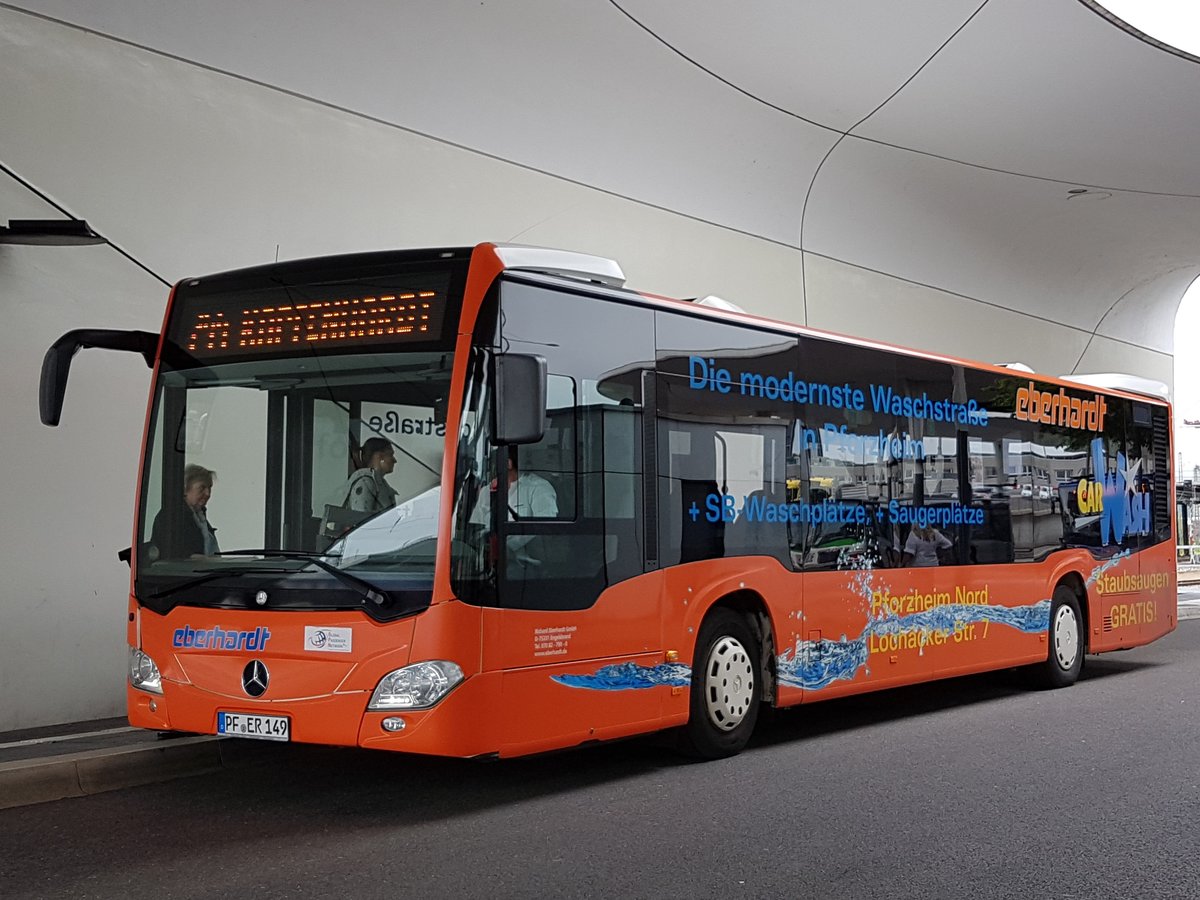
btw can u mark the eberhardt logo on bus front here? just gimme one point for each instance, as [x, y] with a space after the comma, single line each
[217, 638]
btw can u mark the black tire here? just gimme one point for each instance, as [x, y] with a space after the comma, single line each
[1067, 639]
[725, 688]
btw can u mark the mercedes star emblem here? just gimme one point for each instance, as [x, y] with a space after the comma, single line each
[255, 678]
[261, 598]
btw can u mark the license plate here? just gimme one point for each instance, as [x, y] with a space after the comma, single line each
[247, 725]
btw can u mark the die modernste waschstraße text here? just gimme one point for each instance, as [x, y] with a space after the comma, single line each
[706, 375]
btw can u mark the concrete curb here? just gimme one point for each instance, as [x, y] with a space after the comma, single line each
[27, 781]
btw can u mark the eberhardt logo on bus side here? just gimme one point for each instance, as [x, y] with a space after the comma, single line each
[1048, 408]
[217, 638]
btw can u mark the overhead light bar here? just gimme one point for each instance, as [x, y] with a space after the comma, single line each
[49, 232]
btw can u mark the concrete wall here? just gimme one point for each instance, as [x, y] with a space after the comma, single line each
[192, 171]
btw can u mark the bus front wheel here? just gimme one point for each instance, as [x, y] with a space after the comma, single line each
[1065, 659]
[725, 691]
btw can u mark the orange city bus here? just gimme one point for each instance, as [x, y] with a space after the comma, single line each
[600, 513]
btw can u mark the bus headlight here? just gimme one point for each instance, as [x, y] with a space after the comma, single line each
[143, 673]
[417, 686]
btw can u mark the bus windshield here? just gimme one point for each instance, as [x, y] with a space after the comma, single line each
[273, 472]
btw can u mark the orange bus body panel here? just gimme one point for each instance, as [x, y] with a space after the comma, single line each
[1136, 602]
[515, 702]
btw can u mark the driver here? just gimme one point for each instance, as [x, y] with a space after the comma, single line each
[530, 496]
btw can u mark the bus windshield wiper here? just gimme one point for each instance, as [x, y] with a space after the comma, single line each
[211, 575]
[365, 589]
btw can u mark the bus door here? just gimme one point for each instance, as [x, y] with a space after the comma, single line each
[574, 624]
[1151, 606]
[862, 473]
[865, 618]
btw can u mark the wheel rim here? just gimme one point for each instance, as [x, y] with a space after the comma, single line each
[1066, 636]
[729, 686]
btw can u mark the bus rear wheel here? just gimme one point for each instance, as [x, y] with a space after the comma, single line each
[1065, 658]
[725, 691]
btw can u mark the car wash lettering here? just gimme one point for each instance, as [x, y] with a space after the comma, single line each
[1116, 496]
[705, 375]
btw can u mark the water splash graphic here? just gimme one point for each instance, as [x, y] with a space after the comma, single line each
[630, 677]
[1100, 570]
[813, 665]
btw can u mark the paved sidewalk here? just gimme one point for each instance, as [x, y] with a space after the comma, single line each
[82, 758]
[1189, 575]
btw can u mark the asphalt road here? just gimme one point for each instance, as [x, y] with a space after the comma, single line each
[974, 788]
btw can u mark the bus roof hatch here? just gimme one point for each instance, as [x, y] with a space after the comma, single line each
[561, 262]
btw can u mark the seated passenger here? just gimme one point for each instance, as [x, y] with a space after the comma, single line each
[367, 491]
[190, 534]
[922, 546]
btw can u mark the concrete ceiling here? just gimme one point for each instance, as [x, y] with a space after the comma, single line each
[935, 141]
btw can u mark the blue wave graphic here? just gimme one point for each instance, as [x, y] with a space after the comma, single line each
[630, 677]
[813, 665]
[816, 664]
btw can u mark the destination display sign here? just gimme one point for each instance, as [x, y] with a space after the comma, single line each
[219, 327]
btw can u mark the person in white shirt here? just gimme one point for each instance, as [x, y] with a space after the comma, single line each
[922, 546]
[529, 497]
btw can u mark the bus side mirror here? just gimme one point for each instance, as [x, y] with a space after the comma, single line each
[56, 364]
[520, 407]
